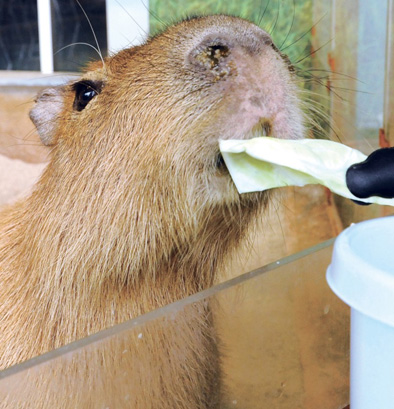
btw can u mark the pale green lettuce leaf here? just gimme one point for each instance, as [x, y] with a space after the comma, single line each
[264, 163]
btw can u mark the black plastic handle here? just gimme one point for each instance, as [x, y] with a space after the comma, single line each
[374, 176]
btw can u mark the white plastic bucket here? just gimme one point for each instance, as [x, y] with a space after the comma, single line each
[362, 275]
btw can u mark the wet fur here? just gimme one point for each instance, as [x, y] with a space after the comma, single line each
[132, 213]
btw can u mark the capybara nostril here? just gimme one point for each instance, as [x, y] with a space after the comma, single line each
[213, 54]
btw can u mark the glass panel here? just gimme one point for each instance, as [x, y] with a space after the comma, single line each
[370, 70]
[71, 28]
[19, 48]
[281, 337]
[359, 52]
[358, 86]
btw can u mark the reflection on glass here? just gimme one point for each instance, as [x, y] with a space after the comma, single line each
[282, 341]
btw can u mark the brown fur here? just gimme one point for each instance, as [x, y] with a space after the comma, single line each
[132, 212]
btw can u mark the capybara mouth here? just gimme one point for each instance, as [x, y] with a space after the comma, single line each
[220, 164]
[262, 128]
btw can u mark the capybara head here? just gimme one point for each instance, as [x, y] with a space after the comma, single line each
[135, 155]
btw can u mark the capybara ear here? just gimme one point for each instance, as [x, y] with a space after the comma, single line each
[46, 111]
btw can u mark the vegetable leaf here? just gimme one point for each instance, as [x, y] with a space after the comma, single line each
[264, 163]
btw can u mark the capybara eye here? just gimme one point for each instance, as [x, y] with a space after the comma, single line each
[85, 91]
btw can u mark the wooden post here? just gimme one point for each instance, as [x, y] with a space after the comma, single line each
[343, 60]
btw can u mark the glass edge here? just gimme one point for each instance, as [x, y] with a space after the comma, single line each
[160, 312]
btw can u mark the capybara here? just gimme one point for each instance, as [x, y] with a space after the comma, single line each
[136, 209]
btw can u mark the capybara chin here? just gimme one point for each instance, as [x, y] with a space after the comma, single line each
[136, 209]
